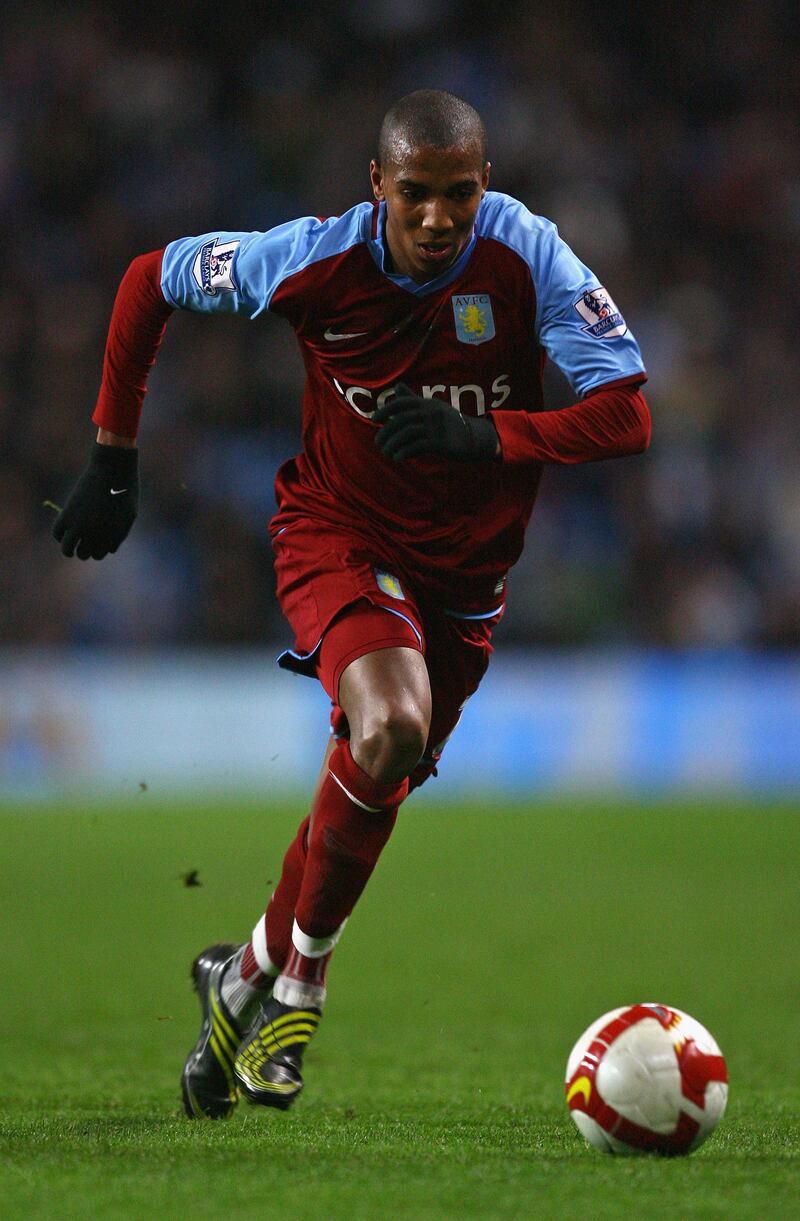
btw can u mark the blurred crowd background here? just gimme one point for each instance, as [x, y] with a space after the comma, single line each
[663, 142]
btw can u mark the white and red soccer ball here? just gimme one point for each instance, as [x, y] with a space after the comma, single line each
[646, 1079]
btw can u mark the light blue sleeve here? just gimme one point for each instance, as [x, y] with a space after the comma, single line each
[577, 322]
[236, 273]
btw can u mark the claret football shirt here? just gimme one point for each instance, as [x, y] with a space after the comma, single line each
[476, 337]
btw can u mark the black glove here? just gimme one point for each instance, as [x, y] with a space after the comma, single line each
[102, 506]
[413, 425]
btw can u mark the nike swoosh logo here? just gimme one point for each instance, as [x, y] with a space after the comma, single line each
[117, 491]
[334, 336]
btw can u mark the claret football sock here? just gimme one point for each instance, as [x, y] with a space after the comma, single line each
[280, 912]
[353, 817]
[352, 820]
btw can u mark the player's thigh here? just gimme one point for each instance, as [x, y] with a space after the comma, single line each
[457, 657]
[387, 690]
[371, 664]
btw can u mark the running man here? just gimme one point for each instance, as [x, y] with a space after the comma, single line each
[424, 318]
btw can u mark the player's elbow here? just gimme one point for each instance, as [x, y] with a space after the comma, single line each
[643, 424]
[142, 280]
[144, 265]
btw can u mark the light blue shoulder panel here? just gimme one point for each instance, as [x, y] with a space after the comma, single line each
[239, 272]
[577, 322]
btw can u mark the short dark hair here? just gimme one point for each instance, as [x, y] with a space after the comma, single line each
[430, 117]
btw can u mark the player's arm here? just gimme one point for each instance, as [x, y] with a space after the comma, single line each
[102, 506]
[613, 421]
[220, 272]
[583, 332]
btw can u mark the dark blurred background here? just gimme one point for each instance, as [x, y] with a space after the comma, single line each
[663, 142]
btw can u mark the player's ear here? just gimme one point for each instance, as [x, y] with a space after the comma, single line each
[487, 169]
[376, 178]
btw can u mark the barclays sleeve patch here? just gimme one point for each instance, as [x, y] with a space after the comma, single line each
[213, 267]
[603, 319]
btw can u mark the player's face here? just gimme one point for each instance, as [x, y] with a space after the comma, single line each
[432, 196]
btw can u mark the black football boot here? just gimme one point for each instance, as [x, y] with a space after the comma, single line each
[269, 1060]
[208, 1082]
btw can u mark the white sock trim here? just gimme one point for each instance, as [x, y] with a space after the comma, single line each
[240, 996]
[314, 947]
[299, 995]
[355, 801]
[259, 944]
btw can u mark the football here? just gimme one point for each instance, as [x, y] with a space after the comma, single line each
[646, 1079]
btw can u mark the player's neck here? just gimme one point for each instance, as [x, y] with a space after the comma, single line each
[390, 262]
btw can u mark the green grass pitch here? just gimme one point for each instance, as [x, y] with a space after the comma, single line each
[490, 936]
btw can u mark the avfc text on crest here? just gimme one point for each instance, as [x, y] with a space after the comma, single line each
[213, 267]
[474, 318]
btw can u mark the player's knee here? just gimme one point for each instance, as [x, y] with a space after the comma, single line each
[391, 742]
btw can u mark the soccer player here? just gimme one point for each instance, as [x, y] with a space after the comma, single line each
[424, 318]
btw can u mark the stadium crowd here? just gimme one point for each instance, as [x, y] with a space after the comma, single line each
[663, 142]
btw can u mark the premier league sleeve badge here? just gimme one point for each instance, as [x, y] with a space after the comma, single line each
[213, 267]
[603, 319]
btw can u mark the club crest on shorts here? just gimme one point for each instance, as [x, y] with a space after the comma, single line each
[213, 267]
[474, 318]
[603, 319]
[389, 585]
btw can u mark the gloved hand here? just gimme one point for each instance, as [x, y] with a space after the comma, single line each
[102, 506]
[413, 425]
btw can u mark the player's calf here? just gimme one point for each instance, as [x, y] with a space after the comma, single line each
[352, 820]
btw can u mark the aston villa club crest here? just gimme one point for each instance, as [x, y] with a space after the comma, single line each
[474, 318]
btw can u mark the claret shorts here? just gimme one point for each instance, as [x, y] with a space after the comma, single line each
[343, 601]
